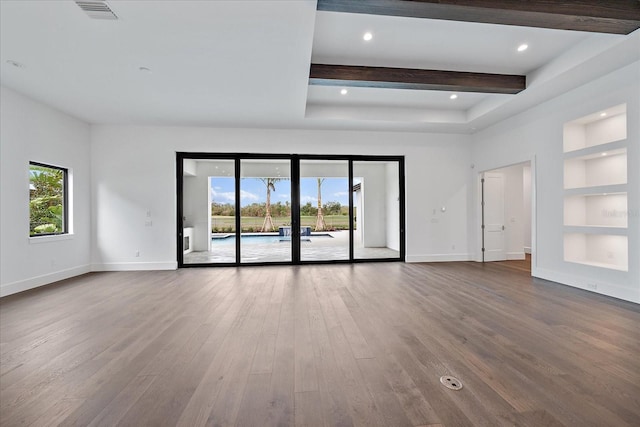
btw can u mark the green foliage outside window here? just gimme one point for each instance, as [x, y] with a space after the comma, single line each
[46, 200]
[278, 209]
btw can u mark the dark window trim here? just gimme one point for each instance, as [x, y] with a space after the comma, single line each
[65, 199]
[293, 158]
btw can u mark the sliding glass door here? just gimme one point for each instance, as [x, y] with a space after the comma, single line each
[208, 211]
[376, 196]
[242, 209]
[265, 210]
[324, 210]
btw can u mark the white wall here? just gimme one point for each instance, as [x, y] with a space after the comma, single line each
[538, 134]
[133, 184]
[393, 206]
[196, 206]
[31, 131]
[373, 222]
[133, 171]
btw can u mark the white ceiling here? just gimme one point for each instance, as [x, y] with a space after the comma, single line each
[436, 44]
[246, 64]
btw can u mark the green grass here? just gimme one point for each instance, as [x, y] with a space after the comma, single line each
[228, 224]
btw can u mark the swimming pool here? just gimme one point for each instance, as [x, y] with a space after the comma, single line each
[230, 239]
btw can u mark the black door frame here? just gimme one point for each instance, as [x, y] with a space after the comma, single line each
[295, 204]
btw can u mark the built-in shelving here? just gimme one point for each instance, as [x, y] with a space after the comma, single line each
[596, 210]
[598, 250]
[596, 129]
[595, 189]
[606, 167]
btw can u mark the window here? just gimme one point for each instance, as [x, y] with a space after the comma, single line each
[48, 212]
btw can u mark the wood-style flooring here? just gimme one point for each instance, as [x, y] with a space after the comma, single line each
[320, 345]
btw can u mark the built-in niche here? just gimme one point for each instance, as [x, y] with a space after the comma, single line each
[595, 189]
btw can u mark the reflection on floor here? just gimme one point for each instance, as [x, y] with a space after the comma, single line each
[319, 249]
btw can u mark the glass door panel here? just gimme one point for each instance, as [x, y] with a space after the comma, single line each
[265, 210]
[376, 201]
[324, 210]
[208, 210]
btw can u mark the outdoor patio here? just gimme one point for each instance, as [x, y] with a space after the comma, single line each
[317, 248]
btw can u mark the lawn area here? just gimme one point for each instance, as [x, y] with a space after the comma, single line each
[227, 223]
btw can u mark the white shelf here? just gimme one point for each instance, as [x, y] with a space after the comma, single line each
[596, 190]
[595, 197]
[600, 265]
[596, 150]
[605, 210]
[595, 229]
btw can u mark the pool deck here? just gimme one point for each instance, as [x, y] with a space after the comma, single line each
[322, 249]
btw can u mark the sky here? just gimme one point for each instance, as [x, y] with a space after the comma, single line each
[252, 190]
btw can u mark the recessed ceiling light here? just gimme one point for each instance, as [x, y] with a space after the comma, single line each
[454, 96]
[603, 114]
[367, 36]
[15, 63]
[523, 47]
[344, 92]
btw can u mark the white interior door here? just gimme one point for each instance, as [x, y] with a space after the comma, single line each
[494, 243]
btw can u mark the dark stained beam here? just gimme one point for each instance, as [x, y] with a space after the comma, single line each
[599, 16]
[406, 78]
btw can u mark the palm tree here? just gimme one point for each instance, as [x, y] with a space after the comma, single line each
[320, 224]
[267, 225]
[46, 200]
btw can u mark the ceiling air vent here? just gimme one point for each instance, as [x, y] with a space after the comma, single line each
[96, 9]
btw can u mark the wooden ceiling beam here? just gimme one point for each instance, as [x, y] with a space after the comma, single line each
[406, 78]
[599, 16]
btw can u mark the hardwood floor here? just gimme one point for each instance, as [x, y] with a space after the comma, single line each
[333, 345]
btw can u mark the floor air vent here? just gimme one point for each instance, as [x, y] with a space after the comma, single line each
[451, 382]
[96, 9]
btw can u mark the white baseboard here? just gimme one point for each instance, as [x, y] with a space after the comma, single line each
[45, 279]
[135, 266]
[439, 258]
[527, 250]
[515, 255]
[608, 289]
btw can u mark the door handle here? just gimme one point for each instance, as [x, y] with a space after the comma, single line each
[503, 228]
